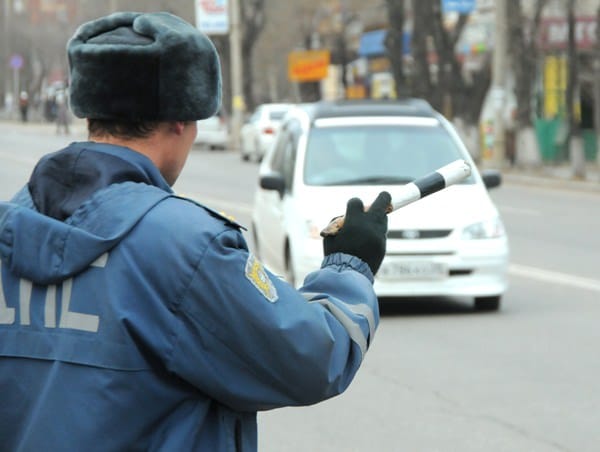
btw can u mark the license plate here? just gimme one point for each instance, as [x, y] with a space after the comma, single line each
[412, 271]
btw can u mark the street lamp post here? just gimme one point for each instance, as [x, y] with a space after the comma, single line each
[499, 82]
[6, 50]
[237, 96]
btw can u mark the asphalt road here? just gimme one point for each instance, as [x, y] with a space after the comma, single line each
[439, 376]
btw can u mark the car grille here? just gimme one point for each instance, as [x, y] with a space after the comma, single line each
[415, 234]
[464, 272]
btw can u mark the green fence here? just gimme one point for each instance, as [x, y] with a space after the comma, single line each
[589, 144]
[552, 140]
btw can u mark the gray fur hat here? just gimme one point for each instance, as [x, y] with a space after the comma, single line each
[134, 66]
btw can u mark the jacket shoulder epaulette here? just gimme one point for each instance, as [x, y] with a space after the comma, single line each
[227, 220]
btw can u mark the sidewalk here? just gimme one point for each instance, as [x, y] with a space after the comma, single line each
[556, 176]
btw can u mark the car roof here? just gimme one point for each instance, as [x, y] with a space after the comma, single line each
[355, 108]
[276, 106]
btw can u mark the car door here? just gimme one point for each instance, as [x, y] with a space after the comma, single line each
[274, 234]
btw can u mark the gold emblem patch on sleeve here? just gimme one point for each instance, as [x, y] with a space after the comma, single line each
[256, 274]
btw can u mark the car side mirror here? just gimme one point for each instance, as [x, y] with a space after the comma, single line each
[273, 181]
[491, 178]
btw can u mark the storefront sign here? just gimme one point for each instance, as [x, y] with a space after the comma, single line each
[458, 6]
[381, 64]
[308, 65]
[356, 92]
[212, 17]
[554, 33]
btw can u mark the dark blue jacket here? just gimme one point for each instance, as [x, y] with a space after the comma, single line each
[132, 319]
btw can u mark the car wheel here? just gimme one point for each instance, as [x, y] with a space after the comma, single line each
[289, 267]
[243, 152]
[487, 303]
[257, 151]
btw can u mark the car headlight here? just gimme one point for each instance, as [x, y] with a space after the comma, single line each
[489, 229]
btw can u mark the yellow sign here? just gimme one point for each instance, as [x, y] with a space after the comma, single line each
[555, 88]
[555, 85]
[381, 64]
[238, 103]
[308, 65]
[356, 92]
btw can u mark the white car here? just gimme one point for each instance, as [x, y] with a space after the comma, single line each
[450, 243]
[258, 132]
[213, 133]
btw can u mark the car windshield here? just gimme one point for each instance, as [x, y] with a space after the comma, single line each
[277, 115]
[377, 154]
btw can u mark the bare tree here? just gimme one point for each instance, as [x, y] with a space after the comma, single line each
[452, 88]
[253, 20]
[574, 139]
[394, 42]
[523, 51]
[573, 71]
[421, 78]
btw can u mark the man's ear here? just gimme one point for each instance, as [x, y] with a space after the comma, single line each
[177, 127]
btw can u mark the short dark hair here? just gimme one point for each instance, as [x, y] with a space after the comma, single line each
[121, 129]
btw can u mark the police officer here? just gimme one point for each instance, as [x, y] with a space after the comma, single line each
[133, 319]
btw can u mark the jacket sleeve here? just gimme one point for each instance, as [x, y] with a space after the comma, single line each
[253, 342]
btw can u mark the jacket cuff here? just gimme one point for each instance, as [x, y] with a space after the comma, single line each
[343, 261]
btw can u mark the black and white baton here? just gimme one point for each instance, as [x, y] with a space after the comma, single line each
[443, 177]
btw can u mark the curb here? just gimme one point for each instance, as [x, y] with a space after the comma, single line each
[553, 182]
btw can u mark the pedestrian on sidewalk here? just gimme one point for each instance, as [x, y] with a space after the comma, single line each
[24, 105]
[134, 319]
[62, 112]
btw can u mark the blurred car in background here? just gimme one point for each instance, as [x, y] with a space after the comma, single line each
[213, 132]
[258, 132]
[451, 243]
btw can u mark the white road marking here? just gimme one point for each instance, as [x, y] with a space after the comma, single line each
[554, 277]
[519, 211]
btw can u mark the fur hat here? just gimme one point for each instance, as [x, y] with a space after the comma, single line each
[134, 66]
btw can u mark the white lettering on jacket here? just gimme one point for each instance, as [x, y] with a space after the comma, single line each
[68, 319]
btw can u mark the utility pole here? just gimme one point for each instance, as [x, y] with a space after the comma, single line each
[6, 52]
[500, 67]
[237, 96]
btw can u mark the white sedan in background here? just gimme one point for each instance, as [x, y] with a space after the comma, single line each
[213, 133]
[259, 130]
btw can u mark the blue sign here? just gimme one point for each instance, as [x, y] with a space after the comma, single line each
[458, 6]
[16, 61]
[372, 43]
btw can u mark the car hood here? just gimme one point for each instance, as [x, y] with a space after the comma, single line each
[458, 205]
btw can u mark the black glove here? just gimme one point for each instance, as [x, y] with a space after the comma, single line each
[364, 233]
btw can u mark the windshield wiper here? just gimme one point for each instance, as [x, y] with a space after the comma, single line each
[373, 180]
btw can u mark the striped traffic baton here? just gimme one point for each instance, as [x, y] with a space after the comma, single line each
[443, 177]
